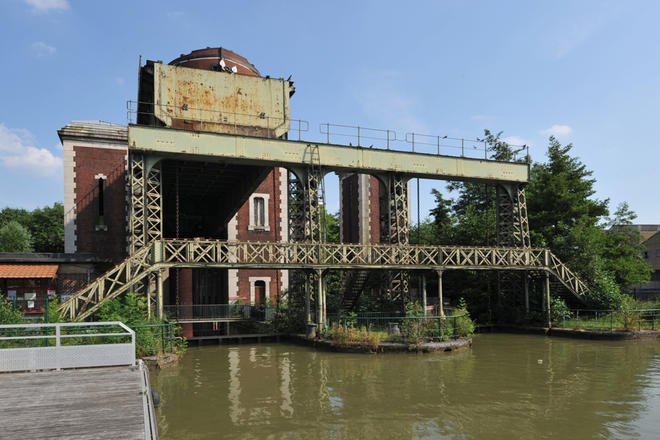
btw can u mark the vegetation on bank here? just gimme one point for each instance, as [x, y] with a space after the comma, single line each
[414, 328]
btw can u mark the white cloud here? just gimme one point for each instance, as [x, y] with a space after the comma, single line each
[17, 151]
[516, 141]
[44, 6]
[41, 49]
[557, 130]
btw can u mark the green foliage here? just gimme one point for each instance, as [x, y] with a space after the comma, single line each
[349, 335]
[559, 311]
[629, 315]
[564, 216]
[464, 326]
[623, 250]
[53, 312]
[331, 224]
[45, 225]
[14, 237]
[9, 314]
[131, 309]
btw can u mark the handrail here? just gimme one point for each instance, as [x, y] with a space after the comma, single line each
[71, 355]
[291, 255]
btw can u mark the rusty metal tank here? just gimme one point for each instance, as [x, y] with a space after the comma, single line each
[214, 90]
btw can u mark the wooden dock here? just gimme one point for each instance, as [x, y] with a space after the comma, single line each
[93, 403]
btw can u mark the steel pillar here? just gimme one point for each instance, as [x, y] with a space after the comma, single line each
[512, 231]
[305, 225]
[396, 229]
[440, 296]
[512, 222]
[136, 217]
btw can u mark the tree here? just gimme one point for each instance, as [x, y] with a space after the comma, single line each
[46, 225]
[563, 214]
[623, 249]
[47, 228]
[14, 237]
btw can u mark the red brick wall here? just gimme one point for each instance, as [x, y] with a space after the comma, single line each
[350, 209]
[270, 185]
[90, 161]
[374, 209]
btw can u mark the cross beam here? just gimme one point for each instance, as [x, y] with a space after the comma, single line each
[281, 152]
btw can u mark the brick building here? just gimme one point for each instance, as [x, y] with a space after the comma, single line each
[96, 200]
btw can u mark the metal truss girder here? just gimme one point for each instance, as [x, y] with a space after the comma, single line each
[137, 207]
[154, 203]
[397, 229]
[282, 152]
[174, 253]
[512, 221]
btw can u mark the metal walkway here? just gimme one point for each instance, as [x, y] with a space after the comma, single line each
[172, 253]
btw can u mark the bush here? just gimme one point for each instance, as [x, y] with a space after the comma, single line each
[9, 314]
[559, 311]
[464, 325]
[349, 335]
[131, 309]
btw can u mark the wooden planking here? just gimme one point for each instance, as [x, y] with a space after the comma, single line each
[73, 404]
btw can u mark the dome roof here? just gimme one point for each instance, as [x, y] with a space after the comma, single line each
[213, 58]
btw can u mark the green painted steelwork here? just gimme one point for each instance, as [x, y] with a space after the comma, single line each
[279, 152]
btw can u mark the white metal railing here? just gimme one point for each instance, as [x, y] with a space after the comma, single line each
[65, 345]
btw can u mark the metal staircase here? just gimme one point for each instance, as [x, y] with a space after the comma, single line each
[352, 286]
[114, 282]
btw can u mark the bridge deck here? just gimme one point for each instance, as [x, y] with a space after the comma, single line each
[76, 404]
[280, 152]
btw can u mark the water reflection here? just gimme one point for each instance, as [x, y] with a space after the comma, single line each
[508, 386]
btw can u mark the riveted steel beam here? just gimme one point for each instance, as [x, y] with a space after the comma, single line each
[286, 153]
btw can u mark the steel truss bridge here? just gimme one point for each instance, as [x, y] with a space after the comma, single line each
[150, 253]
[161, 255]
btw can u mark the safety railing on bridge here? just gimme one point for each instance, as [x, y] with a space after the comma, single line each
[208, 312]
[181, 253]
[26, 347]
[330, 133]
[609, 320]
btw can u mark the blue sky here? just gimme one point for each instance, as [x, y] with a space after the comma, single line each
[587, 71]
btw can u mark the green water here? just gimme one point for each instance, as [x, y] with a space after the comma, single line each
[506, 387]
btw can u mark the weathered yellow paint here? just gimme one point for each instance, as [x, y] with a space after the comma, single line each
[279, 152]
[221, 102]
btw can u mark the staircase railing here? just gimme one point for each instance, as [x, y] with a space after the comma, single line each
[114, 282]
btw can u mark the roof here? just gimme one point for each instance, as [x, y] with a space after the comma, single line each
[28, 270]
[99, 130]
[48, 258]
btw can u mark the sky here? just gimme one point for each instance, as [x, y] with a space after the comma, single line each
[587, 72]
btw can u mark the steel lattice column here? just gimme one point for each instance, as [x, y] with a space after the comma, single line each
[304, 225]
[512, 230]
[512, 222]
[397, 229]
[154, 203]
[137, 238]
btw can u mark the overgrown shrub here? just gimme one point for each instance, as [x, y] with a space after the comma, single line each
[559, 311]
[131, 309]
[8, 313]
[464, 325]
[349, 335]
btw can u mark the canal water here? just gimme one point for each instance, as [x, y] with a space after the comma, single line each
[506, 387]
